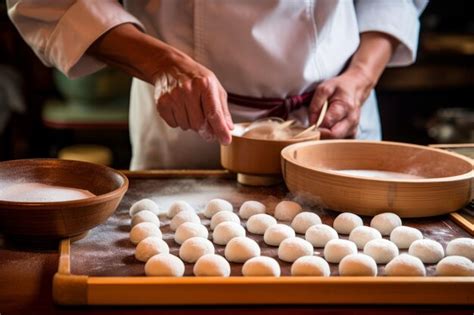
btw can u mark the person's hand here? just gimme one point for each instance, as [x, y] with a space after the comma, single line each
[345, 94]
[189, 96]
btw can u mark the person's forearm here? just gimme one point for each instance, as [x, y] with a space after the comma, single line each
[127, 48]
[373, 54]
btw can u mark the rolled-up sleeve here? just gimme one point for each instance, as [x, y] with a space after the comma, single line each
[398, 18]
[60, 32]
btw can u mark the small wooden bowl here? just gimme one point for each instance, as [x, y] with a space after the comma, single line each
[308, 169]
[55, 220]
[256, 161]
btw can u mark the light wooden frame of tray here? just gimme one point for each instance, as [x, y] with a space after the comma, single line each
[70, 289]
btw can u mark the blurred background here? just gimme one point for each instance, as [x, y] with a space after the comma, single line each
[43, 114]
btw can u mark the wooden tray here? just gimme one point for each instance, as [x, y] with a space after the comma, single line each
[100, 269]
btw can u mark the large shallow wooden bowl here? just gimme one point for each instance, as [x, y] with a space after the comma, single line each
[54, 220]
[308, 169]
[256, 161]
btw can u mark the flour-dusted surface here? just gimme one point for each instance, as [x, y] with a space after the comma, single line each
[107, 250]
[38, 192]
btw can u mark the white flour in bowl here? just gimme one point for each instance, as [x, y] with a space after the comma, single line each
[37, 192]
[379, 174]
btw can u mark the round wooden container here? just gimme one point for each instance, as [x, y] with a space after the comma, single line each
[54, 220]
[308, 170]
[256, 161]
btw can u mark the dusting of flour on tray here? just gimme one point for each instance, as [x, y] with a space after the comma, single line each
[37, 192]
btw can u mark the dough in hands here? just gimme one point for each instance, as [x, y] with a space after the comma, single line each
[150, 247]
[381, 250]
[250, 208]
[240, 249]
[385, 222]
[143, 230]
[345, 222]
[144, 204]
[336, 250]
[178, 206]
[211, 265]
[304, 220]
[275, 234]
[286, 210]
[226, 231]
[261, 266]
[184, 216]
[455, 266]
[217, 205]
[195, 247]
[405, 265]
[164, 265]
[223, 216]
[292, 248]
[318, 235]
[429, 251]
[403, 236]
[358, 265]
[188, 230]
[462, 246]
[145, 216]
[310, 266]
[362, 234]
[259, 223]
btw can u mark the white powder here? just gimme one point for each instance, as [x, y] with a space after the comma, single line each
[37, 192]
[379, 174]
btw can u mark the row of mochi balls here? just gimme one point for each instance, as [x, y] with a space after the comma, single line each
[195, 247]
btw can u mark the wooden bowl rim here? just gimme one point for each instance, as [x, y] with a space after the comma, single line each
[286, 155]
[79, 202]
[262, 141]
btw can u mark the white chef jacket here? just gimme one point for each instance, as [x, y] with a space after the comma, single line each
[264, 48]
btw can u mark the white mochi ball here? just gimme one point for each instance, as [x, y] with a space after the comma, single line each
[259, 223]
[226, 231]
[217, 205]
[357, 265]
[455, 266]
[150, 247]
[164, 265]
[261, 266]
[318, 235]
[293, 248]
[429, 251]
[195, 247]
[142, 230]
[385, 222]
[178, 206]
[144, 204]
[250, 208]
[405, 265]
[381, 250]
[362, 234]
[462, 246]
[304, 220]
[184, 216]
[211, 265]
[145, 216]
[345, 222]
[403, 236]
[224, 216]
[240, 249]
[286, 210]
[275, 234]
[188, 230]
[337, 249]
[310, 266]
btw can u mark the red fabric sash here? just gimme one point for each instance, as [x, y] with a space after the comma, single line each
[279, 107]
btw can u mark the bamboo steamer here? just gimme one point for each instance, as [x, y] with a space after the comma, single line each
[46, 221]
[308, 170]
[256, 161]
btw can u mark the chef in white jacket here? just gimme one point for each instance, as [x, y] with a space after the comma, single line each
[200, 65]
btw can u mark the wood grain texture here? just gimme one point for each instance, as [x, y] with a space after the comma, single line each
[308, 169]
